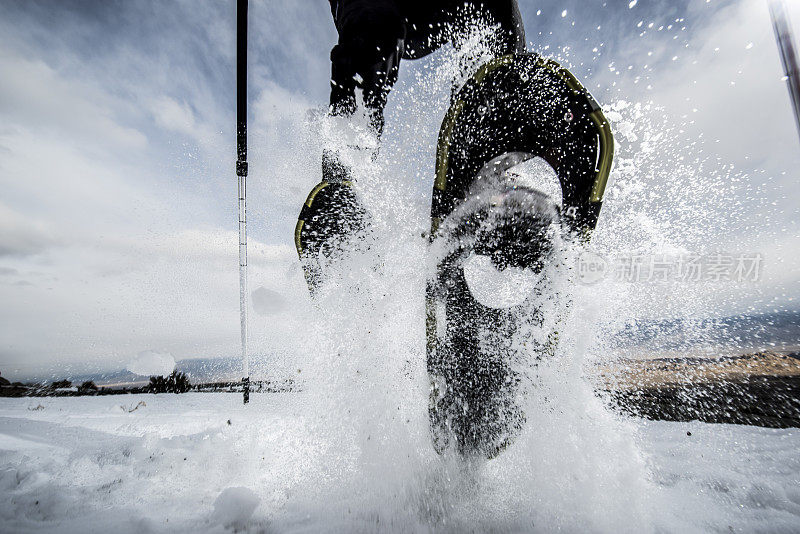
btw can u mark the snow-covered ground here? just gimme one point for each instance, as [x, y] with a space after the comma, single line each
[204, 462]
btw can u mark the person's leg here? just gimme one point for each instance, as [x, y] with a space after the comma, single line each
[367, 56]
[375, 34]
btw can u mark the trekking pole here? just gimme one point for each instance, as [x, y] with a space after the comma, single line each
[785, 38]
[241, 172]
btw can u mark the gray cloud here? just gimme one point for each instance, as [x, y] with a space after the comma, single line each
[21, 235]
[34, 94]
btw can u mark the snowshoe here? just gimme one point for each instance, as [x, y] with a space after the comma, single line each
[330, 216]
[514, 109]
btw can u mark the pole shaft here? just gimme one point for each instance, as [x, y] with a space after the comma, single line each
[241, 172]
[785, 38]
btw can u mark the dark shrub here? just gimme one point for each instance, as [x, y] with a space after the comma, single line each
[87, 387]
[174, 383]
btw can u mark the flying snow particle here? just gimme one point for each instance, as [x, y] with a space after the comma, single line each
[268, 302]
[632, 3]
[152, 363]
[498, 289]
[563, 13]
[234, 507]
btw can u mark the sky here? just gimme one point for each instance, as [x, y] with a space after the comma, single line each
[117, 130]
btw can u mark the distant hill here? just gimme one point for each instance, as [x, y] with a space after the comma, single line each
[199, 370]
[746, 332]
[682, 337]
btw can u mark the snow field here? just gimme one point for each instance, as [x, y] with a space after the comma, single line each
[176, 465]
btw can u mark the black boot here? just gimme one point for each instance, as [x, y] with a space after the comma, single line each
[330, 216]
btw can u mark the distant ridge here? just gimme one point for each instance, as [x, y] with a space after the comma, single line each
[199, 370]
[683, 338]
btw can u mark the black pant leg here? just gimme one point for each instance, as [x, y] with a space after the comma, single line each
[367, 55]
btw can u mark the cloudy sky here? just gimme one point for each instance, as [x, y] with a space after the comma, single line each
[118, 203]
